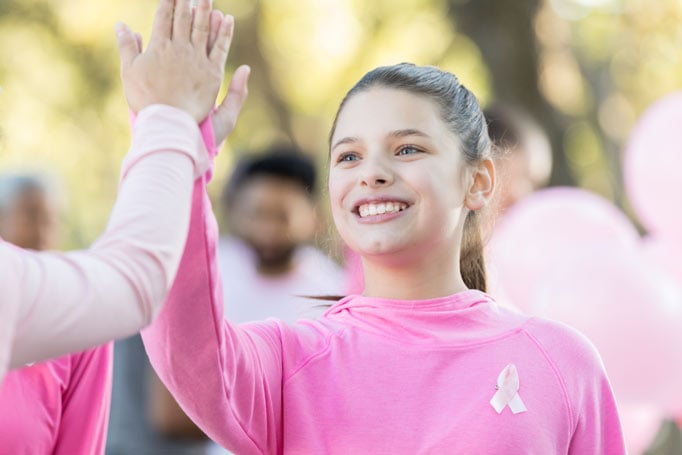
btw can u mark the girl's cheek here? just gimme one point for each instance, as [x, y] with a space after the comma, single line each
[335, 188]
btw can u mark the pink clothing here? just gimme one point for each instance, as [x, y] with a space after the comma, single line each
[58, 407]
[374, 375]
[55, 303]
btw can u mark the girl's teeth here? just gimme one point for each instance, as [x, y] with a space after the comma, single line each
[381, 208]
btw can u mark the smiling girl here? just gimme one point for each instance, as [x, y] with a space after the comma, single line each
[423, 361]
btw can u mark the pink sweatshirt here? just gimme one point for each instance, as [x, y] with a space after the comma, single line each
[58, 407]
[55, 303]
[378, 376]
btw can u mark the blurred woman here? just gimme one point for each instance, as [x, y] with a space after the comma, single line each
[60, 303]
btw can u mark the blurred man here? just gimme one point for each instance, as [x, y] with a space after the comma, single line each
[267, 263]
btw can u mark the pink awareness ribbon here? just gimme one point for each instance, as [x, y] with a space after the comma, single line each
[508, 391]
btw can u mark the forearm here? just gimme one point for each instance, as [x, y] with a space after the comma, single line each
[73, 301]
[226, 379]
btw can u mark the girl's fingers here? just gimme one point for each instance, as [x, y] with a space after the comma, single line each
[127, 45]
[225, 117]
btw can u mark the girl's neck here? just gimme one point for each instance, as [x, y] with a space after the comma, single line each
[421, 279]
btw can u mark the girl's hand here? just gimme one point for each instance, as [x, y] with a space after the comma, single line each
[224, 118]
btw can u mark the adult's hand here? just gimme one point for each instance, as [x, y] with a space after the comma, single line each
[183, 66]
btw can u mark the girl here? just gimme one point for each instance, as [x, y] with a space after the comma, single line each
[53, 303]
[423, 361]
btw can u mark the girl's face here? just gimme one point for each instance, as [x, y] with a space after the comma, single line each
[398, 183]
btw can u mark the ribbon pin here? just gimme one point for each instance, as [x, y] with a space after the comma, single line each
[508, 391]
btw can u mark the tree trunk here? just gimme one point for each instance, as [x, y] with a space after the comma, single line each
[505, 34]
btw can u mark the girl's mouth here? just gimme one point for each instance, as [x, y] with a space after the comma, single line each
[380, 208]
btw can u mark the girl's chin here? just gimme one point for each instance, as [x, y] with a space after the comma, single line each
[385, 252]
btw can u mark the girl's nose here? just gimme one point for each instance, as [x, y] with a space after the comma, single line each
[376, 173]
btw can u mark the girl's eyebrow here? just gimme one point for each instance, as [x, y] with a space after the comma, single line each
[407, 132]
[394, 134]
[345, 140]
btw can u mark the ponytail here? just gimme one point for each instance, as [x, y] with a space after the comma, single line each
[471, 262]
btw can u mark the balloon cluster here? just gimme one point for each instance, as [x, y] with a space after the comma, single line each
[569, 255]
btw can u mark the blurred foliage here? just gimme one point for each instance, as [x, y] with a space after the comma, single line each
[598, 64]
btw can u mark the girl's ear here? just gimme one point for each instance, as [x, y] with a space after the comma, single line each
[482, 185]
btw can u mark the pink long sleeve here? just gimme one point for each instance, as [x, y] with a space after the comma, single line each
[56, 303]
[233, 386]
[57, 407]
[592, 406]
[86, 404]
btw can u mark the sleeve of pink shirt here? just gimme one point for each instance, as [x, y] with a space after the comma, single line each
[598, 428]
[68, 302]
[85, 404]
[593, 414]
[227, 378]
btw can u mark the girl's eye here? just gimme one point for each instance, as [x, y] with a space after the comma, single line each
[408, 150]
[347, 156]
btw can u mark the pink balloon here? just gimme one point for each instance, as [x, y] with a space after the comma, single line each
[664, 254]
[632, 314]
[652, 164]
[640, 426]
[537, 232]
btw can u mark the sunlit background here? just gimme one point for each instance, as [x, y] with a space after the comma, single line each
[585, 68]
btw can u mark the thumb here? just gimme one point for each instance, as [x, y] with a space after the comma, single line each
[225, 116]
[127, 45]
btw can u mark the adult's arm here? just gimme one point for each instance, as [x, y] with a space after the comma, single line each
[60, 303]
[68, 302]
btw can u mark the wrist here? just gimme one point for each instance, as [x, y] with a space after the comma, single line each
[208, 136]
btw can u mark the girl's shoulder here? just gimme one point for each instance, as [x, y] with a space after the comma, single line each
[571, 354]
[557, 335]
[561, 344]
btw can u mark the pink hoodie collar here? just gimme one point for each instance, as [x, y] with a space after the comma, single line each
[467, 317]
